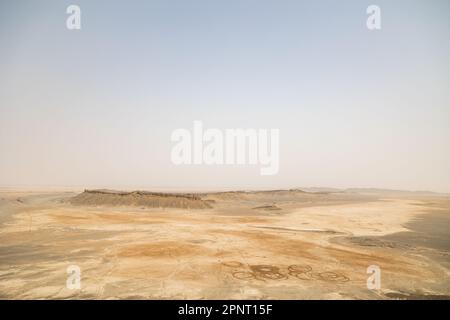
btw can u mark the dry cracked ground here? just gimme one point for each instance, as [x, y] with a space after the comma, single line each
[241, 245]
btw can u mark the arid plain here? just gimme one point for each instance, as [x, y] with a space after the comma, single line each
[279, 244]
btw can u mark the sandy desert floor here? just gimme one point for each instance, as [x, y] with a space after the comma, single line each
[248, 245]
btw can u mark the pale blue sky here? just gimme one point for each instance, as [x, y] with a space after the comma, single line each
[96, 107]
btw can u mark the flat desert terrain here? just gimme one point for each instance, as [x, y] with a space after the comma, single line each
[280, 244]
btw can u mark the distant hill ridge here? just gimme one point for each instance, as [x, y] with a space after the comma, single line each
[103, 197]
[143, 193]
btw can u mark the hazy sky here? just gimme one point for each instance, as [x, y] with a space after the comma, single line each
[96, 107]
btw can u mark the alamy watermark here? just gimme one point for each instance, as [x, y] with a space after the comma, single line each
[74, 279]
[374, 280]
[227, 147]
[73, 21]
[374, 19]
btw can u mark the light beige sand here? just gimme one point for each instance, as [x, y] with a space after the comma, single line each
[266, 245]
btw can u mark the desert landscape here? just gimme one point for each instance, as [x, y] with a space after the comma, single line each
[275, 244]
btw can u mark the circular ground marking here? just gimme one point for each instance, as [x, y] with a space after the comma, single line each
[243, 275]
[232, 264]
[330, 276]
